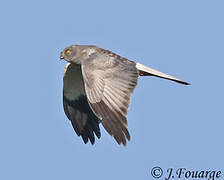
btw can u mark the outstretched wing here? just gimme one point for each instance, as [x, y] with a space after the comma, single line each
[76, 106]
[109, 82]
[147, 71]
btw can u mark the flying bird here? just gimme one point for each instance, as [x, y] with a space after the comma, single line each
[97, 88]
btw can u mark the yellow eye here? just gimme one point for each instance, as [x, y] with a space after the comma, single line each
[68, 51]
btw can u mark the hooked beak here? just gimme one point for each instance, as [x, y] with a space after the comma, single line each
[62, 55]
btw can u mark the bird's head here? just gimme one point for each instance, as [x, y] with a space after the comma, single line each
[76, 53]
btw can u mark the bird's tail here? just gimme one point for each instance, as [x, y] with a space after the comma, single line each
[147, 71]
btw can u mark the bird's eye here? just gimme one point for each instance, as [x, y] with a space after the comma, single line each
[68, 51]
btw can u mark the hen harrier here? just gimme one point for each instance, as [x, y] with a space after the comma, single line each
[97, 88]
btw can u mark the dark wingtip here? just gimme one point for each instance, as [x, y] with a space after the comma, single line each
[92, 141]
[85, 139]
[182, 82]
[98, 134]
[187, 83]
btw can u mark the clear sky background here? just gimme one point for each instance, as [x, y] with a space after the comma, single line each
[171, 125]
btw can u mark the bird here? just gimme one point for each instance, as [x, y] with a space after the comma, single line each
[97, 85]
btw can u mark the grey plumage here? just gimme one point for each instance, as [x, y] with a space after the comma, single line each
[97, 88]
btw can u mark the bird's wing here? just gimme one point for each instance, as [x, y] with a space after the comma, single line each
[76, 106]
[109, 82]
[147, 71]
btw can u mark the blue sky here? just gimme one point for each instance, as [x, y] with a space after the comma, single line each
[171, 125]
